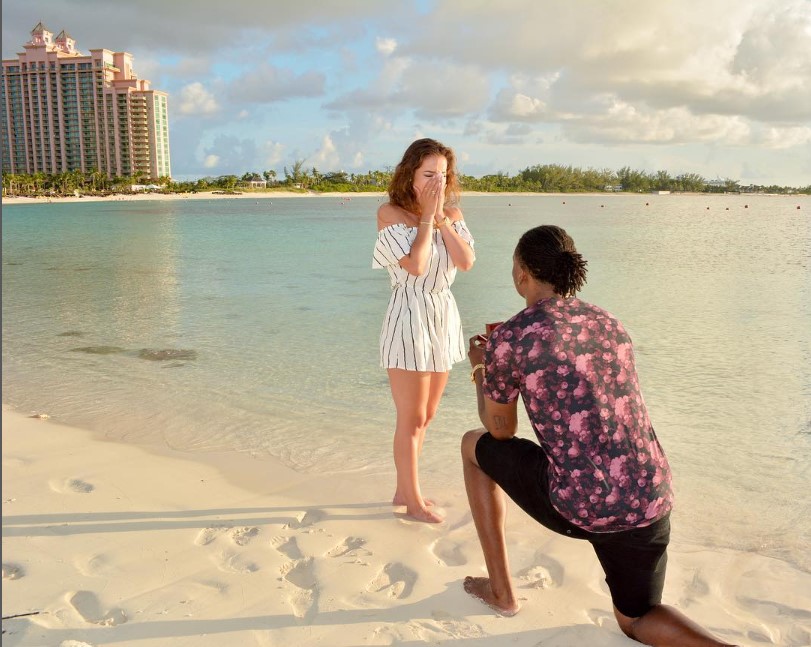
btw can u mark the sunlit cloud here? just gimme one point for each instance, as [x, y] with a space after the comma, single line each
[195, 99]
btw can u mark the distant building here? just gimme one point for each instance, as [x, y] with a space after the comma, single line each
[62, 110]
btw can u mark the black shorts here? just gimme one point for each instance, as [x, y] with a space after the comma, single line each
[634, 561]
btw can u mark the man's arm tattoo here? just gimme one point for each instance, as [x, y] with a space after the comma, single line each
[500, 423]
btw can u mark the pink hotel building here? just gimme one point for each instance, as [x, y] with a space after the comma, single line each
[63, 110]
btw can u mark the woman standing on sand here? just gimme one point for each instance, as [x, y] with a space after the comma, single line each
[422, 240]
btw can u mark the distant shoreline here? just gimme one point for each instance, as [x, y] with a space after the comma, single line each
[269, 195]
[199, 195]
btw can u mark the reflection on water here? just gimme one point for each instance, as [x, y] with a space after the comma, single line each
[268, 314]
[99, 350]
[156, 355]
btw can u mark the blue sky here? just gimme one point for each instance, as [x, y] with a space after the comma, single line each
[717, 87]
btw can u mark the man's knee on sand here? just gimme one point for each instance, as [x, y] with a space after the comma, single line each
[626, 624]
[468, 444]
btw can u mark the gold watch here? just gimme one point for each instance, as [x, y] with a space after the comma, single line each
[444, 223]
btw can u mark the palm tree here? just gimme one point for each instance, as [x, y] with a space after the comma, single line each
[295, 175]
[663, 181]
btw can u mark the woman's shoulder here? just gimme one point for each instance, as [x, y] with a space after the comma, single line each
[389, 215]
[453, 213]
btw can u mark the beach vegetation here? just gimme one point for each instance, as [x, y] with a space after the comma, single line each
[540, 178]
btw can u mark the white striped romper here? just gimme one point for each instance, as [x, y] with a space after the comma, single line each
[422, 330]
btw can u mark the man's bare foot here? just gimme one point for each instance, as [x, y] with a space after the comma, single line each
[424, 514]
[479, 588]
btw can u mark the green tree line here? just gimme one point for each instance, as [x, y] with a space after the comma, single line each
[546, 178]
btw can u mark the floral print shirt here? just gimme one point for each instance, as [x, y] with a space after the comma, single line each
[573, 365]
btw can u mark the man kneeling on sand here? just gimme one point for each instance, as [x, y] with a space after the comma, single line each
[598, 472]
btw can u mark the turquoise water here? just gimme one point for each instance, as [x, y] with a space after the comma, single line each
[211, 325]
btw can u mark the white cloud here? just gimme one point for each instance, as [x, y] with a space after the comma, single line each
[272, 153]
[195, 99]
[234, 154]
[782, 138]
[327, 156]
[509, 106]
[185, 26]
[623, 123]
[267, 83]
[432, 91]
[443, 90]
[750, 58]
[211, 161]
[386, 46]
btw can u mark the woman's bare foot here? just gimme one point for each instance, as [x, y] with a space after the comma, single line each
[424, 514]
[479, 588]
[400, 500]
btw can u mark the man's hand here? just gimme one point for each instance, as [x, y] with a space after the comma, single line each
[499, 419]
[475, 351]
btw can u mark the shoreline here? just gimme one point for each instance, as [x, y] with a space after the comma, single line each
[110, 542]
[200, 195]
[347, 195]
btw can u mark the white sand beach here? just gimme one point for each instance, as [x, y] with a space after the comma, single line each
[200, 195]
[346, 195]
[107, 543]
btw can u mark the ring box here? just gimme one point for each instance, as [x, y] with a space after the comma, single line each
[490, 327]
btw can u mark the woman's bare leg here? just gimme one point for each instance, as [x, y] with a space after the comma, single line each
[411, 391]
[435, 391]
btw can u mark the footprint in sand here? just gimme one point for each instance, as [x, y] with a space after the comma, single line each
[534, 577]
[12, 571]
[233, 563]
[543, 573]
[207, 535]
[301, 574]
[396, 579]
[303, 603]
[797, 637]
[88, 607]
[287, 546]
[305, 519]
[438, 629]
[600, 617]
[456, 626]
[71, 486]
[241, 536]
[227, 560]
[448, 552]
[348, 547]
[761, 611]
[95, 566]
